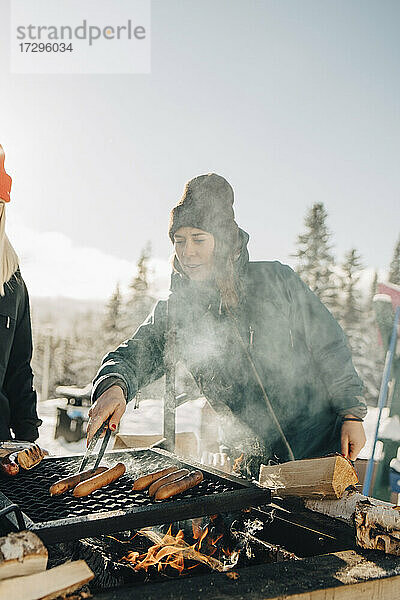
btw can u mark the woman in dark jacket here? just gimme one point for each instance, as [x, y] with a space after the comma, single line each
[263, 349]
[18, 414]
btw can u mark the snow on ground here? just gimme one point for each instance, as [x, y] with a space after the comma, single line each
[389, 428]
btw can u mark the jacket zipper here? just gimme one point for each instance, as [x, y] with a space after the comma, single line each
[291, 337]
[137, 400]
[251, 337]
[8, 323]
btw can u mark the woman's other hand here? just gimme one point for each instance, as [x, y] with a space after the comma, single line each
[112, 404]
[352, 438]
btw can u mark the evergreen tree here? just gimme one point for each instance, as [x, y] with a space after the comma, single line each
[139, 304]
[63, 361]
[140, 301]
[112, 320]
[394, 270]
[351, 312]
[315, 261]
[373, 291]
[90, 346]
[358, 321]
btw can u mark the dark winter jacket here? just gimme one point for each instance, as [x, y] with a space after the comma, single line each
[298, 348]
[17, 396]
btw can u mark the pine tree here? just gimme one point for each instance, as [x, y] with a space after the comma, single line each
[373, 291]
[358, 321]
[139, 304]
[112, 320]
[351, 312]
[394, 270]
[315, 261]
[140, 301]
[89, 345]
[63, 362]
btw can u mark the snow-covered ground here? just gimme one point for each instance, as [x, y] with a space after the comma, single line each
[389, 428]
[148, 420]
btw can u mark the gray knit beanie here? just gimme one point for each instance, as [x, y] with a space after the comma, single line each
[207, 204]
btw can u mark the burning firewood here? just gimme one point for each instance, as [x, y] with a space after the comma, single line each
[172, 551]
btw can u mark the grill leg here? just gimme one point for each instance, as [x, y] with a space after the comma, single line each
[18, 514]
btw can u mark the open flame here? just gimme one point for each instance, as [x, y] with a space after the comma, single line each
[237, 462]
[172, 551]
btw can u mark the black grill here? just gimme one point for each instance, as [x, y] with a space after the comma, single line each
[117, 507]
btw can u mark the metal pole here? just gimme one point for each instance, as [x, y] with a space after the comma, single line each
[382, 397]
[169, 399]
[46, 364]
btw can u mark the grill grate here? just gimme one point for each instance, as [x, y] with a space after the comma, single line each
[31, 489]
[117, 507]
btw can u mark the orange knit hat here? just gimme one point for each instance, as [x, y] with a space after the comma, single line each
[5, 180]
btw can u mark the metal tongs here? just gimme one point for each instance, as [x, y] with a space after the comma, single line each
[92, 445]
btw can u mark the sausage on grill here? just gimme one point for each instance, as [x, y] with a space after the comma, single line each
[167, 479]
[63, 485]
[9, 465]
[95, 483]
[143, 482]
[26, 459]
[180, 485]
[30, 457]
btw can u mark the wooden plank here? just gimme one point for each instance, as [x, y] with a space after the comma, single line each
[21, 553]
[47, 585]
[379, 589]
[326, 477]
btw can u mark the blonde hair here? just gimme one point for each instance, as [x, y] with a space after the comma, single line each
[8, 256]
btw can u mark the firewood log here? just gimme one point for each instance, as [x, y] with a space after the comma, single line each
[377, 523]
[21, 553]
[378, 528]
[326, 477]
[344, 508]
[47, 585]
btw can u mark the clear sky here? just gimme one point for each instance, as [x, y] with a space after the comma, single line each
[293, 101]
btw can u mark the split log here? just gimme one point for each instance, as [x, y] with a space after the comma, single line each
[326, 477]
[21, 553]
[377, 523]
[378, 528]
[344, 508]
[49, 584]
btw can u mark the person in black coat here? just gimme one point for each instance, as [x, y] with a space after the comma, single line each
[18, 416]
[263, 349]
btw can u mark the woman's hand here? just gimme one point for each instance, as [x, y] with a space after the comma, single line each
[110, 404]
[352, 438]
